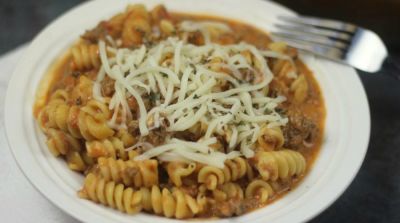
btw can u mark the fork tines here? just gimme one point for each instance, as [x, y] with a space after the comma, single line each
[325, 37]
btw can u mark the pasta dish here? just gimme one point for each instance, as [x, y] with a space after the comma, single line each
[181, 115]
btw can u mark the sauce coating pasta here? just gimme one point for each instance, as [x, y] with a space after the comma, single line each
[180, 115]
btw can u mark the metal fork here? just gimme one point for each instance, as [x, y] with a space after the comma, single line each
[339, 41]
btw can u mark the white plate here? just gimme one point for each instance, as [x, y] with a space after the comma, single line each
[346, 134]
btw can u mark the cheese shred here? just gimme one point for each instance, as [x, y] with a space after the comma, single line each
[189, 89]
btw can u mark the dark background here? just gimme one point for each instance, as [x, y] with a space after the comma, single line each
[374, 195]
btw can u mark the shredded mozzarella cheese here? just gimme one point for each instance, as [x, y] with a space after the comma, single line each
[185, 90]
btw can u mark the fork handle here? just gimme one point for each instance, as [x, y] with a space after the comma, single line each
[391, 67]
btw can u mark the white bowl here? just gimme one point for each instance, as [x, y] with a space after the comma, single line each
[346, 132]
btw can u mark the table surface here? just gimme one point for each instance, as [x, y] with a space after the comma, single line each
[374, 195]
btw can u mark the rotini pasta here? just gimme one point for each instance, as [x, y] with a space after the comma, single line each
[88, 122]
[85, 56]
[270, 138]
[260, 190]
[111, 194]
[234, 169]
[136, 26]
[279, 47]
[126, 138]
[53, 115]
[173, 203]
[181, 116]
[130, 173]
[228, 191]
[82, 92]
[284, 68]
[114, 25]
[61, 143]
[167, 28]
[92, 121]
[299, 87]
[110, 147]
[279, 164]
[159, 13]
[77, 161]
[177, 170]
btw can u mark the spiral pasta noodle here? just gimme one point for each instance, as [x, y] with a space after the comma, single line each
[88, 122]
[260, 190]
[159, 13]
[283, 68]
[234, 169]
[279, 164]
[82, 92]
[299, 87]
[136, 26]
[126, 138]
[171, 203]
[61, 143]
[110, 147]
[270, 138]
[228, 191]
[279, 47]
[53, 114]
[114, 25]
[177, 170]
[85, 56]
[78, 161]
[92, 121]
[167, 28]
[130, 173]
[111, 194]
[286, 71]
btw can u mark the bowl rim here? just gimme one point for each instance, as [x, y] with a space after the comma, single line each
[12, 129]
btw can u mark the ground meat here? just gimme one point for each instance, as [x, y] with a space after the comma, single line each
[191, 190]
[133, 128]
[278, 87]
[196, 38]
[187, 136]
[228, 208]
[226, 38]
[132, 103]
[107, 87]
[159, 13]
[95, 34]
[131, 172]
[247, 205]
[292, 52]
[247, 74]
[163, 175]
[299, 130]
[156, 137]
